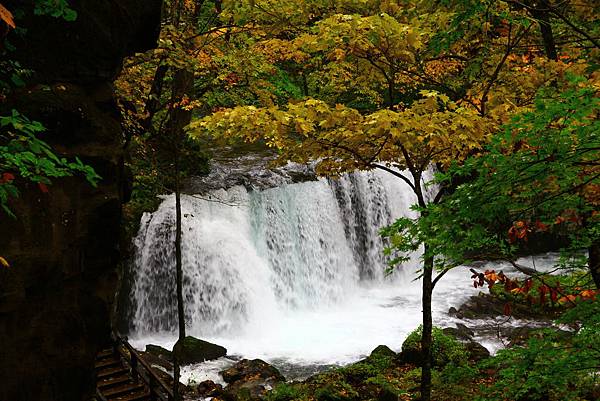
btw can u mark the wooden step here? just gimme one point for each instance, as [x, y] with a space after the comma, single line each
[141, 395]
[113, 382]
[112, 372]
[107, 363]
[126, 389]
[105, 353]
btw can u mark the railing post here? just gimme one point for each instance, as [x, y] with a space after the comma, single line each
[134, 366]
[152, 385]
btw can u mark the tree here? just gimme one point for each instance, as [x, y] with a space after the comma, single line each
[404, 130]
[159, 90]
[433, 130]
[396, 87]
[539, 175]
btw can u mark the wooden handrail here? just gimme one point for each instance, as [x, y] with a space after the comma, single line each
[99, 395]
[135, 360]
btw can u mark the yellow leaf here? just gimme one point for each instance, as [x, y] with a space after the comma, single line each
[3, 261]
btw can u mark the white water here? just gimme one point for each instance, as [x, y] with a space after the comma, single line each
[292, 275]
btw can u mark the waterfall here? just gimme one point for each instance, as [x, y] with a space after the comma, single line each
[252, 255]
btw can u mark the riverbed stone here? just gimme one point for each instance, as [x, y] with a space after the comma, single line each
[251, 369]
[250, 379]
[208, 388]
[484, 306]
[476, 351]
[460, 332]
[193, 350]
[159, 352]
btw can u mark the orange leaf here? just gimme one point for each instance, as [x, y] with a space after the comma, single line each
[568, 298]
[588, 293]
[7, 16]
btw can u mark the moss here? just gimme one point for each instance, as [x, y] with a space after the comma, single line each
[445, 349]
[287, 392]
[337, 391]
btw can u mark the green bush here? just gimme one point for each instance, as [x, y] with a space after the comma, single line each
[552, 366]
[336, 391]
[389, 385]
[445, 349]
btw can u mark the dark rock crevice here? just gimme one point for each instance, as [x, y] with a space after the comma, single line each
[57, 296]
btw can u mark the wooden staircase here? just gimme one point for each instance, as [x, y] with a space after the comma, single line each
[122, 375]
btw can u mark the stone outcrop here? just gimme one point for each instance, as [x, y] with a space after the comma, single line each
[56, 298]
[193, 350]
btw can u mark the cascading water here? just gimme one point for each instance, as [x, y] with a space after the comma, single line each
[251, 254]
[293, 273]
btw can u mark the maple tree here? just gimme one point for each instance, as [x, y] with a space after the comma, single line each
[380, 86]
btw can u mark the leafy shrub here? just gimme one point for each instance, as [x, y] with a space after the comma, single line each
[389, 385]
[359, 371]
[336, 391]
[551, 367]
[445, 349]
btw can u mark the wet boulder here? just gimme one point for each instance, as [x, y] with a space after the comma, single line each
[193, 350]
[159, 352]
[250, 379]
[476, 351]
[208, 388]
[460, 332]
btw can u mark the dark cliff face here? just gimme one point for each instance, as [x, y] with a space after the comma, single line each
[56, 298]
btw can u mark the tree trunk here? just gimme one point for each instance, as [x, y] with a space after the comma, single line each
[178, 265]
[539, 10]
[179, 279]
[547, 35]
[179, 118]
[594, 262]
[426, 338]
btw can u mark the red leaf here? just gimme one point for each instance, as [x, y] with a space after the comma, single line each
[543, 291]
[528, 285]
[7, 177]
[507, 309]
[43, 187]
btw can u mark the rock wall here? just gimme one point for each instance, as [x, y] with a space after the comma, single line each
[56, 298]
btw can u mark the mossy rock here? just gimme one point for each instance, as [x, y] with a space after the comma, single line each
[444, 349]
[382, 351]
[193, 350]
